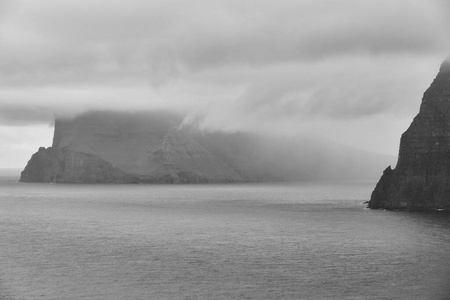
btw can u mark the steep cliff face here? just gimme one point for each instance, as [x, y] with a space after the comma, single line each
[421, 179]
[106, 147]
[39, 167]
[64, 165]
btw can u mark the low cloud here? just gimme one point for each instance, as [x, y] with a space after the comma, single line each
[233, 64]
[17, 115]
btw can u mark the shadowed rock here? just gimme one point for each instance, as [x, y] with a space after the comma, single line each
[421, 179]
[107, 147]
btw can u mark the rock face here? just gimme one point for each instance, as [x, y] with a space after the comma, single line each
[421, 179]
[108, 147]
[65, 165]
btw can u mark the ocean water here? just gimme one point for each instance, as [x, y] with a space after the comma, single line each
[244, 241]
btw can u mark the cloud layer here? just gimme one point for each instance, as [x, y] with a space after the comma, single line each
[236, 64]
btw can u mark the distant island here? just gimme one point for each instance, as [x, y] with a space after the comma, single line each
[421, 179]
[156, 147]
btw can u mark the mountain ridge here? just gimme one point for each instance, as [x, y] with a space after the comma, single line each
[112, 147]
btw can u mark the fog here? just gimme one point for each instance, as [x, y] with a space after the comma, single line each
[350, 71]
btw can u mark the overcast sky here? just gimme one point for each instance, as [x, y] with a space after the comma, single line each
[352, 71]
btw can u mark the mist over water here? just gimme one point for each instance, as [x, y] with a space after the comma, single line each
[245, 241]
[350, 72]
[299, 90]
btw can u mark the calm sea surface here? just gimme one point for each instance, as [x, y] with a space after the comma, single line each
[246, 241]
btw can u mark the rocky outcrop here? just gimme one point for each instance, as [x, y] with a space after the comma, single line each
[421, 179]
[64, 165]
[39, 167]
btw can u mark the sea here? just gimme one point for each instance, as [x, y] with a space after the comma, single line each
[302, 240]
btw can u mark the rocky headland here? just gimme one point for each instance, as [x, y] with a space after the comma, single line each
[113, 147]
[110, 147]
[421, 178]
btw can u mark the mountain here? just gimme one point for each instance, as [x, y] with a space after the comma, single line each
[112, 147]
[104, 147]
[421, 179]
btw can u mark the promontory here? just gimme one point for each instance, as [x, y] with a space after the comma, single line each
[421, 178]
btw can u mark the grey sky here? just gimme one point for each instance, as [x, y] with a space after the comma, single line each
[353, 71]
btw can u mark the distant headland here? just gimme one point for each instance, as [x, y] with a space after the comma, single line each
[157, 147]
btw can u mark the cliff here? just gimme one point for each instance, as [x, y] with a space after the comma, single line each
[109, 147]
[421, 179]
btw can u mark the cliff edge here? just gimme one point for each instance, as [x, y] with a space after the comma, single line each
[421, 179]
[109, 147]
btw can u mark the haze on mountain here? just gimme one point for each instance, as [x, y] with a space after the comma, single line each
[113, 147]
[351, 72]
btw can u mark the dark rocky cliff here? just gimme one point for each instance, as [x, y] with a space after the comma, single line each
[64, 165]
[421, 179]
[107, 147]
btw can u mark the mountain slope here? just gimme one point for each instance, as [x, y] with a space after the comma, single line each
[153, 148]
